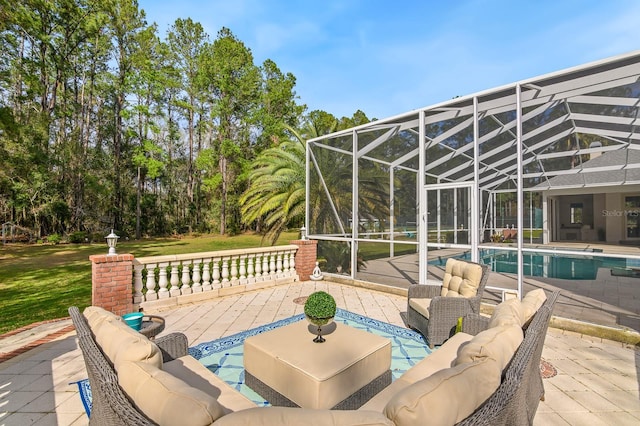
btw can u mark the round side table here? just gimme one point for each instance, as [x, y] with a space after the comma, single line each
[152, 325]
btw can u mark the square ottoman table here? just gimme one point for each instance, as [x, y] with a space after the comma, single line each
[287, 368]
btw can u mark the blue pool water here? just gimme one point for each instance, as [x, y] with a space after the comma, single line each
[559, 265]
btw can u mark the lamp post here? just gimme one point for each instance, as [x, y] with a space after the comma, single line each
[303, 233]
[112, 241]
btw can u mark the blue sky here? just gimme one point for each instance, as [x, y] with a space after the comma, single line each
[386, 58]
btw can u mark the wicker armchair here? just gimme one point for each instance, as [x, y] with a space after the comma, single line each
[435, 315]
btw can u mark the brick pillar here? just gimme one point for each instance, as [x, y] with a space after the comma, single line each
[111, 282]
[305, 257]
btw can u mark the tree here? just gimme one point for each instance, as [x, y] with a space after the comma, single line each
[46, 45]
[147, 110]
[187, 42]
[278, 110]
[125, 21]
[276, 196]
[233, 83]
[102, 124]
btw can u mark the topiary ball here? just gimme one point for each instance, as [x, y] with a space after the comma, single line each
[320, 308]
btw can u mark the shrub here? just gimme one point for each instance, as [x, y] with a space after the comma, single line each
[97, 237]
[320, 305]
[54, 239]
[77, 237]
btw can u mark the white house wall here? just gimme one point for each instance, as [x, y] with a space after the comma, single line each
[615, 223]
[599, 205]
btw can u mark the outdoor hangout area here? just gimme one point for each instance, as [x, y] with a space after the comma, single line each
[471, 262]
[135, 380]
[585, 379]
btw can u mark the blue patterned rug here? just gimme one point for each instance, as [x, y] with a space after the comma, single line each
[224, 356]
[85, 394]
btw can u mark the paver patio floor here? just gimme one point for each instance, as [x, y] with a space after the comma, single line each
[596, 381]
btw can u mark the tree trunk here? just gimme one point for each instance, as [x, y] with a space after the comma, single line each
[223, 201]
[138, 206]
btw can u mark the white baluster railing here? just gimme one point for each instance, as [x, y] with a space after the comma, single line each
[206, 275]
[163, 282]
[150, 284]
[162, 277]
[258, 274]
[174, 291]
[196, 277]
[216, 273]
[185, 288]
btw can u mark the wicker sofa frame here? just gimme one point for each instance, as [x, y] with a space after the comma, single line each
[516, 400]
[443, 311]
[110, 405]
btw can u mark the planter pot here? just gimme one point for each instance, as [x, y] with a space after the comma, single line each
[320, 308]
[319, 322]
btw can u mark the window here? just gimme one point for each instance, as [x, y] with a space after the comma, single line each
[576, 213]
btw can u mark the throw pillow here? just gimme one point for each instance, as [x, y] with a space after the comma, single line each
[447, 396]
[509, 312]
[119, 342]
[532, 302]
[497, 343]
[290, 416]
[164, 398]
[461, 279]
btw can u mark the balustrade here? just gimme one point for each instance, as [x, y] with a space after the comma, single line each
[162, 277]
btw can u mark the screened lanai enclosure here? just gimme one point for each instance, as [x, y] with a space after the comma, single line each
[510, 176]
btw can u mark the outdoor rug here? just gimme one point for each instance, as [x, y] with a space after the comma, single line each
[85, 394]
[224, 356]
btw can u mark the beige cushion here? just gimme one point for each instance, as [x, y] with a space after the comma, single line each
[509, 312]
[165, 399]
[288, 416]
[497, 343]
[441, 358]
[421, 305]
[532, 302]
[95, 315]
[193, 373]
[446, 397]
[119, 342]
[382, 398]
[461, 279]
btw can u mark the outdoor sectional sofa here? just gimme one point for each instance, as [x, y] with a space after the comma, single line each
[487, 374]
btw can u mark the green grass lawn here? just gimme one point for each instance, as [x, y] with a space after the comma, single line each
[371, 251]
[39, 282]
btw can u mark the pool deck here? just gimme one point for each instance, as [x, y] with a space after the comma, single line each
[596, 381]
[607, 300]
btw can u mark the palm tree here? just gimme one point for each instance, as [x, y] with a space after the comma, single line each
[276, 194]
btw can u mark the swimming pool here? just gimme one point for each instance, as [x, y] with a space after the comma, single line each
[564, 266]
